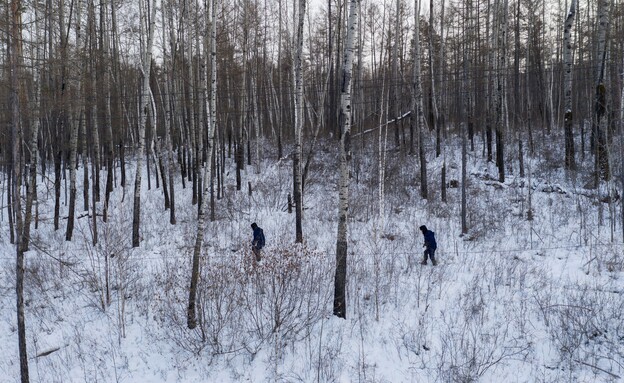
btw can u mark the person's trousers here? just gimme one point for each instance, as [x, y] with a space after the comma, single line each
[431, 253]
[256, 253]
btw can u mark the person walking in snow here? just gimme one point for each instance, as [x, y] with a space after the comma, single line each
[257, 243]
[430, 245]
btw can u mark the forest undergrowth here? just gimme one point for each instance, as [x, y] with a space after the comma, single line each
[514, 299]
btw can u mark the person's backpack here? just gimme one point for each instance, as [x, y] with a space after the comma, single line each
[430, 239]
[261, 241]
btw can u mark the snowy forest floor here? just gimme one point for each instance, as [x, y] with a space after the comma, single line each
[514, 300]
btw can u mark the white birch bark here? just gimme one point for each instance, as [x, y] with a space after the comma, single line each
[14, 54]
[169, 158]
[340, 280]
[93, 123]
[210, 129]
[570, 162]
[201, 108]
[417, 118]
[622, 154]
[464, 120]
[73, 140]
[395, 75]
[106, 63]
[94, 120]
[501, 12]
[85, 165]
[298, 192]
[602, 168]
[35, 123]
[382, 141]
[148, 19]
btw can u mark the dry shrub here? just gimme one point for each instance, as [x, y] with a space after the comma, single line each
[244, 305]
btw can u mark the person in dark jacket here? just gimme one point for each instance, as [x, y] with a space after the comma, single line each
[258, 241]
[430, 245]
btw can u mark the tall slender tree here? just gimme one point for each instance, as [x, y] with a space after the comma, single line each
[570, 163]
[601, 155]
[14, 56]
[500, 88]
[340, 278]
[395, 84]
[298, 91]
[167, 23]
[417, 117]
[191, 319]
[74, 129]
[93, 121]
[148, 20]
[105, 88]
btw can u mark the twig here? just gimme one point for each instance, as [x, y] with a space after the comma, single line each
[48, 352]
[598, 368]
[383, 125]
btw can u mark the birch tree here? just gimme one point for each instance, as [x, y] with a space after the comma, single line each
[500, 18]
[93, 122]
[148, 19]
[601, 167]
[570, 163]
[298, 192]
[340, 279]
[34, 121]
[166, 102]
[63, 120]
[433, 103]
[464, 121]
[73, 140]
[14, 54]
[622, 151]
[105, 88]
[201, 219]
[395, 76]
[417, 118]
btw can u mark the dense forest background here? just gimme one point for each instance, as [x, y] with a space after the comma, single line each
[91, 83]
[127, 94]
[505, 69]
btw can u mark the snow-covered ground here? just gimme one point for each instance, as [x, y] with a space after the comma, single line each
[514, 300]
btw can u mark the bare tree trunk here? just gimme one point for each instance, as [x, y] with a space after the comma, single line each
[570, 163]
[201, 220]
[94, 209]
[464, 150]
[94, 120]
[433, 99]
[63, 118]
[443, 181]
[441, 128]
[500, 87]
[85, 165]
[170, 158]
[622, 156]
[168, 120]
[14, 52]
[417, 118]
[12, 228]
[394, 84]
[340, 279]
[34, 121]
[148, 20]
[201, 110]
[73, 140]
[297, 177]
[105, 73]
[93, 124]
[601, 167]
